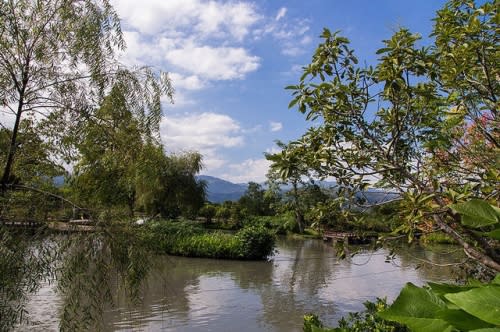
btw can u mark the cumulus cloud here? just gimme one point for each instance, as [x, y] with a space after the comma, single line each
[204, 18]
[191, 82]
[248, 170]
[275, 126]
[201, 41]
[200, 131]
[214, 63]
[206, 133]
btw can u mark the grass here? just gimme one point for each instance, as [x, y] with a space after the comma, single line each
[437, 238]
[191, 240]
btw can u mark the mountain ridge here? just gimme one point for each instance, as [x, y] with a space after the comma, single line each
[220, 190]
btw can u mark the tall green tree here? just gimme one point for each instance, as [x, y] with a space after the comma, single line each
[386, 124]
[57, 62]
[109, 152]
[167, 184]
[255, 201]
[288, 167]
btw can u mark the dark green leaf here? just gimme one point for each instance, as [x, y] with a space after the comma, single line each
[383, 50]
[293, 102]
[462, 320]
[494, 234]
[414, 301]
[442, 289]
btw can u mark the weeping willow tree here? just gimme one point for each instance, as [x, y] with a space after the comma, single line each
[58, 61]
[167, 184]
[120, 167]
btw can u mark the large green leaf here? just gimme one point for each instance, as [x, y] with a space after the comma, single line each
[422, 324]
[490, 329]
[416, 302]
[483, 303]
[476, 213]
[442, 289]
[417, 307]
[494, 234]
[462, 320]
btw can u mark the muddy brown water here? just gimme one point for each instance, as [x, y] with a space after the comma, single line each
[190, 294]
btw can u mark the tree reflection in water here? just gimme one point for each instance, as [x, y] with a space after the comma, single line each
[194, 294]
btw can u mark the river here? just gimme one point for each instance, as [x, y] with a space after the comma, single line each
[189, 294]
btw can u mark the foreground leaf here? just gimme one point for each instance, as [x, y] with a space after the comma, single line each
[483, 303]
[476, 213]
[442, 289]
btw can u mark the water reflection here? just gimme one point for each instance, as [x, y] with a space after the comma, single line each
[187, 294]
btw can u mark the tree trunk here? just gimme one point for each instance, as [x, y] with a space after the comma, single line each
[468, 249]
[299, 217]
[12, 148]
[131, 204]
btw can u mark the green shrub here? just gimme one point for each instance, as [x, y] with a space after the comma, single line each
[312, 323]
[188, 239]
[281, 224]
[367, 320]
[209, 245]
[255, 242]
[440, 238]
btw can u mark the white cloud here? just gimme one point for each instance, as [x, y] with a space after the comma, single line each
[306, 40]
[181, 99]
[292, 34]
[191, 82]
[275, 126]
[200, 40]
[203, 18]
[206, 133]
[281, 13]
[248, 170]
[200, 131]
[196, 62]
[214, 63]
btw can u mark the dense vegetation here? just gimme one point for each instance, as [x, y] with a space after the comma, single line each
[436, 307]
[423, 122]
[188, 239]
[421, 126]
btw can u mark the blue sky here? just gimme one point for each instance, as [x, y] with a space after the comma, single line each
[231, 60]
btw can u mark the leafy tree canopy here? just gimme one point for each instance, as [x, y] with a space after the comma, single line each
[58, 61]
[423, 121]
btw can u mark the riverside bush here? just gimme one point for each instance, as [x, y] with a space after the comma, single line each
[255, 242]
[282, 223]
[367, 320]
[187, 239]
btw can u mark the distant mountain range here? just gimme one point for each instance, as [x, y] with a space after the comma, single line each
[219, 190]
